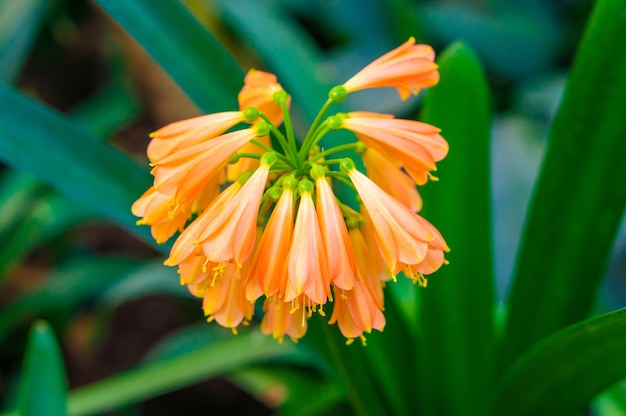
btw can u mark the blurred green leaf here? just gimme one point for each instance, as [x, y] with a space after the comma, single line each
[456, 343]
[43, 386]
[148, 279]
[392, 370]
[50, 216]
[18, 192]
[19, 24]
[292, 390]
[179, 43]
[351, 364]
[580, 197]
[160, 377]
[65, 288]
[284, 47]
[70, 159]
[561, 374]
[108, 110]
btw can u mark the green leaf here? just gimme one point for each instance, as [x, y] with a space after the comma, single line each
[580, 197]
[561, 374]
[284, 47]
[50, 216]
[18, 192]
[164, 376]
[19, 24]
[456, 321]
[43, 386]
[181, 46]
[292, 390]
[107, 111]
[148, 279]
[70, 159]
[65, 288]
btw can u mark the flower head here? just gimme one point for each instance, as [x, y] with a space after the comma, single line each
[408, 68]
[259, 218]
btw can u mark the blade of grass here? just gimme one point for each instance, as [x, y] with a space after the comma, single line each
[43, 386]
[561, 374]
[65, 288]
[163, 376]
[70, 159]
[456, 342]
[580, 197]
[179, 44]
[284, 47]
[19, 24]
[49, 217]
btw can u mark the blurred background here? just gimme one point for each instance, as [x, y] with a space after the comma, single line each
[107, 296]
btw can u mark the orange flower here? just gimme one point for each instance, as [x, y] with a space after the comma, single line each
[417, 146]
[341, 264]
[230, 234]
[403, 237]
[185, 244]
[268, 272]
[185, 172]
[355, 312]
[307, 271]
[280, 320]
[159, 211]
[224, 298]
[408, 68]
[391, 179]
[183, 134]
[258, 92]
[372, 269]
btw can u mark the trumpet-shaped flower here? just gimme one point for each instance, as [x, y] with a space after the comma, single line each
[280, 319]
[355, 312]
[184, 134]
[258, 92]
[408, 68]
[392, 179]
[185, 172]
[417, 146]
[403, 237]
[307, 271]
[268, 273]
[186, 243]
[231, 234]
[341, 264]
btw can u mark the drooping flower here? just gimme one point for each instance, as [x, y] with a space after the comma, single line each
[185, 172]
[258, 92]
[231, 234]
[307, 271]
[408, 68]
[355, 312]
[403, 237]
[268, 273]
[341, 264]
[392, 179]
[258, 215]
[417, 146]
[280, 320]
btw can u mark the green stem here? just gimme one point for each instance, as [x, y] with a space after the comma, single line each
[341, 148]
[291, 138]
[318, 120]
[279, 136]
[265, 147]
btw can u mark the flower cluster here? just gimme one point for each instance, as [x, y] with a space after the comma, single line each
[259, 218]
